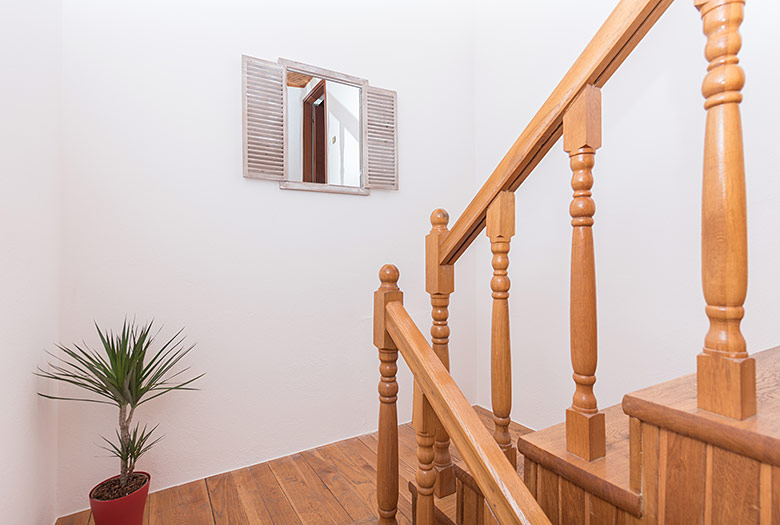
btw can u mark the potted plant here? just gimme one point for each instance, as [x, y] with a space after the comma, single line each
[125, 372]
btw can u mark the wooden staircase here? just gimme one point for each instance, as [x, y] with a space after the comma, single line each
[666, 461]
[702, 449]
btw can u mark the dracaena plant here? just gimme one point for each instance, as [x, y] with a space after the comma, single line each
[126, 372]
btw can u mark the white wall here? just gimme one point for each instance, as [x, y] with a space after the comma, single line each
[647, 193]
[29, 235]
[160, 223]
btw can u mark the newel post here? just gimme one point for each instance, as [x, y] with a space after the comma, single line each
[726, 375]
[585, 424]
[387, 448]
[440, 283]
[500, 227]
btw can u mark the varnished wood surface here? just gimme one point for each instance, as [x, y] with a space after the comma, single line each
[500, 229]
[581, 138]
[566, 503]
[504, 490]
[608, 477]
[387, 456]
[440, 283]
[424, 422]
[692, 482]
[726, 373]
[617, 37]
[672, 405]
[340, 477]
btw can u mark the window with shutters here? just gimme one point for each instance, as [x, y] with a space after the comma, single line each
[317, 130]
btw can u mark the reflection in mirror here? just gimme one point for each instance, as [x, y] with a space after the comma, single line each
[323, 127]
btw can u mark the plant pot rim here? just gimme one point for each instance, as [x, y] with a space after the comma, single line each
[148, 480]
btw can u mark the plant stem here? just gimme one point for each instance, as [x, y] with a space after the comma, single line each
[124, 439]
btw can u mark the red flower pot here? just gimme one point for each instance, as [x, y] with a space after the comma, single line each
[128, 510]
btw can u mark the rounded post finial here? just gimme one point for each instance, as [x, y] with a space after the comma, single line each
[439, 219]
[388, 275]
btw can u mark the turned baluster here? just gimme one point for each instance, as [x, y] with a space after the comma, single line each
[440, 283]
[500, 229]
[726, 375]
[424, 423]
[585, 424]
[387, 448]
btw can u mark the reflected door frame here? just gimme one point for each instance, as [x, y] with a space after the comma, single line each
[315, 135]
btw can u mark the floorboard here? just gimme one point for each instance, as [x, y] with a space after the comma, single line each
[274, 498]
[333, 484]
[226, 504]
[309, 496]
[80, 518]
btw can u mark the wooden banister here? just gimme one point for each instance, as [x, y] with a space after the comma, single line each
[500, 229]
[585, 425]
[614, 41]
[504, 491]
[440, 283]
[726, 373]
[387, 436]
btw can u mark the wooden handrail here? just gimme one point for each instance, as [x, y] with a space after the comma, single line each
[623, 30]
[505, 492]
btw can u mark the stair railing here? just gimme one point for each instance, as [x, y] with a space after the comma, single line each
[437, 400]
[726, 373]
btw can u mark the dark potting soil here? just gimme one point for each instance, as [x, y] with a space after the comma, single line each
[110, 489]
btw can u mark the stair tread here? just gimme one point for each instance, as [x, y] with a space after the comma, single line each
[607, 477]
[672, 405]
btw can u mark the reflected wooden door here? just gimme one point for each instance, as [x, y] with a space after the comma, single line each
[315, 140]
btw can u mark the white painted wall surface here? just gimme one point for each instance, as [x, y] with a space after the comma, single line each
[29, 235]
[159, 222]
[647, 194]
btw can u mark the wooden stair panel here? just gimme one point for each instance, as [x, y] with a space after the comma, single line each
[667, 460]
[672, 405]
[701, 467]
[607, 478]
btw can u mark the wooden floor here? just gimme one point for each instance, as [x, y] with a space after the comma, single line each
[335, 483]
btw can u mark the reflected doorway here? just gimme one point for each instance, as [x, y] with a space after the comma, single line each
[315, 135]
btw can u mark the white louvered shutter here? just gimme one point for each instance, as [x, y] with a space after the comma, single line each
[265, 119]
[381, 139]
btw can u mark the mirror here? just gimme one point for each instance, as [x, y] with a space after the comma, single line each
[312, 129]
[323, 130]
